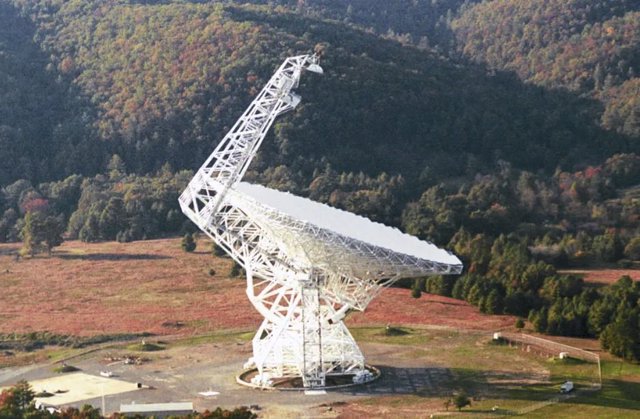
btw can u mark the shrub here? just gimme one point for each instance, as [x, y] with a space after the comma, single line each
[217, 250]
[236, 270]
[416, 288]
[394, 331]
[65, 368]
[145, 347]
[188, 244]
[461, 400]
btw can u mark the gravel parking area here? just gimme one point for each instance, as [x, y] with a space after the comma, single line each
[181, 373]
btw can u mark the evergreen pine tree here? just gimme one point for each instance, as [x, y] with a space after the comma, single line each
[188, 244]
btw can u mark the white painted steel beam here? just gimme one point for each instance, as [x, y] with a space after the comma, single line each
[307, 264]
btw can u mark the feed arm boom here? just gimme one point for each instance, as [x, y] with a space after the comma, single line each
[229, 161]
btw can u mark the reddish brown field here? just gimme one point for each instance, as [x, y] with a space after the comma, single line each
[396, 306]
[93, 289]
[90, 289]
[604, 276]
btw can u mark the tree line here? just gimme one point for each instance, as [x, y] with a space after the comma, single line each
[514, 230]
[109, 206]
[503, 277]
[579, 218]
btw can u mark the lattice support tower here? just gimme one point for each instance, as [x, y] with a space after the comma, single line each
[307, 264]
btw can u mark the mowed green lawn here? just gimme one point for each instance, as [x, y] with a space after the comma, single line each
[619, 397]
[504, 380]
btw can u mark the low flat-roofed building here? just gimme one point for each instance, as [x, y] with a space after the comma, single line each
[158, 410]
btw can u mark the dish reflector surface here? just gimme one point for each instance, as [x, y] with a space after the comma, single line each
[346, 224]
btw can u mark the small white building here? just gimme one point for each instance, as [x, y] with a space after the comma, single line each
[158, 410]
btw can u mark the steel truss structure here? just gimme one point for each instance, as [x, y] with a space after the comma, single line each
[303, 275]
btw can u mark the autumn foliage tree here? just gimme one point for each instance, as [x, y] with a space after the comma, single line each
[16, 402]
[41, 232]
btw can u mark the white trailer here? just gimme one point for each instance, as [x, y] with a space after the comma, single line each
[567, 387]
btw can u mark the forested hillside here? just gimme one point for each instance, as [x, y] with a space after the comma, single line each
[586, 46]
[160, 82]
[45, 126]
[505, 130]
[164, 80]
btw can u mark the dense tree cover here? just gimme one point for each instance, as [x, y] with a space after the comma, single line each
[111, 206]
[128, 207]
[569, 217]
[164, 80]
[423, 23]
[44, 129]
[503, 277]
[512, 200]
[513, 229]
[591, 47]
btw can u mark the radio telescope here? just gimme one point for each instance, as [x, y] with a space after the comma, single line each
[307, 264]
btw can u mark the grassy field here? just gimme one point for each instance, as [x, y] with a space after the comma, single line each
[604, 276]
[154, 287]
[504, 380]
[619, 397]
[501, 380]
[106, 288]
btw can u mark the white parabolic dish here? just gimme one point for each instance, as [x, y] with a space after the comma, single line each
[387, 249]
